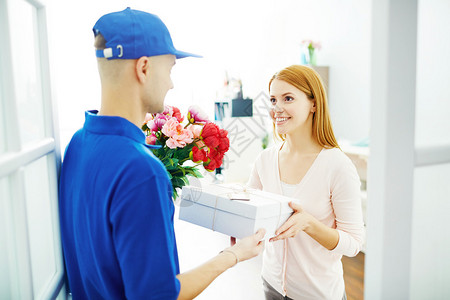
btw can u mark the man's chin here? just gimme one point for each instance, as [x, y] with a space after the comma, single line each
[156, 110]
[161, 108]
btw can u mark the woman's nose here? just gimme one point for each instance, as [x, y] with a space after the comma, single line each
[277, 108]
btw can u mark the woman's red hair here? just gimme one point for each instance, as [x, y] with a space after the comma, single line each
[309, 82]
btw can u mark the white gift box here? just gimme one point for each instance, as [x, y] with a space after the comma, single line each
[234, 210]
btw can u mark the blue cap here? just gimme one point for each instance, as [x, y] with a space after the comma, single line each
[131, 34]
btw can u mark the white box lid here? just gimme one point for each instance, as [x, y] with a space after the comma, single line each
[259, 204]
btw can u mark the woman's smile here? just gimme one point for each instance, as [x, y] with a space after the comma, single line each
[281, 120]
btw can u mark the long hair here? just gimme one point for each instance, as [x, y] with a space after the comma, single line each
[309, 82]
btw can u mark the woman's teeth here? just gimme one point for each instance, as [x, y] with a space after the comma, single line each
[281, 119]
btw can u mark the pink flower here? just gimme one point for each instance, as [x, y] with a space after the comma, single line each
[159, 121]
[178, 136]
[148, 117]
[317, 45]
[151, 139]
[306, 42]
[310, 44]
[196, 130]
[171, 128]
[167, 110]
[152, 125]
[197, 115]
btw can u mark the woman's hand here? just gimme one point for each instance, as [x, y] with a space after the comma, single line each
[299, 221]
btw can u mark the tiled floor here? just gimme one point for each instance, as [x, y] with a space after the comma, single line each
[196, 245]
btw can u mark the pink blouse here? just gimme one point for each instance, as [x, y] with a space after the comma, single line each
[300, 267]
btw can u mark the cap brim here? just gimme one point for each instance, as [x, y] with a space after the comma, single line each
[182, 54]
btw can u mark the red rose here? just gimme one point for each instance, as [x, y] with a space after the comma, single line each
[216, 159]
[211, 141]
[217, 141]
[211, 135]
[224, 145]
[212, 165]
[210, 129]
[198, 155]
[223, 133]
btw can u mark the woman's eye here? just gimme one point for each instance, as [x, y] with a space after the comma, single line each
[288, 98]
[273, 100]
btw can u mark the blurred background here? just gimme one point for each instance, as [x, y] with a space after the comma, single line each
[242, 41]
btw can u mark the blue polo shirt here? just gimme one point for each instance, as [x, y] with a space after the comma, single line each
[116, 215]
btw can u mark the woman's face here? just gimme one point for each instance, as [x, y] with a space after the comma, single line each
[291, 108]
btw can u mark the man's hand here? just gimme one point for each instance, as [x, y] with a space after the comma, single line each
[250, 246]
[195, 281]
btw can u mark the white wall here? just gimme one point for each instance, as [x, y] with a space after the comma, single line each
[430, 253]
[433, 73]
[344, 29]
[249, 39]
[430, 243]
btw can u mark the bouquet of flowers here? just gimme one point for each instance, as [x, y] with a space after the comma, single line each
[311, 46]
[195, 140]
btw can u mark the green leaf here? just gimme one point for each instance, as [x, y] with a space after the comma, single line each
[174, 194]
[177, 182]
[197, 173]
[186, 181]
[188, 171]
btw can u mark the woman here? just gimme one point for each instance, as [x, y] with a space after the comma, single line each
[303, 261]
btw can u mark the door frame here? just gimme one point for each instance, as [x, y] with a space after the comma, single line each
[17, 156]
[393, 154]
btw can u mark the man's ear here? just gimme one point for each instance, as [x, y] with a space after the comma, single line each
[142, 68]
